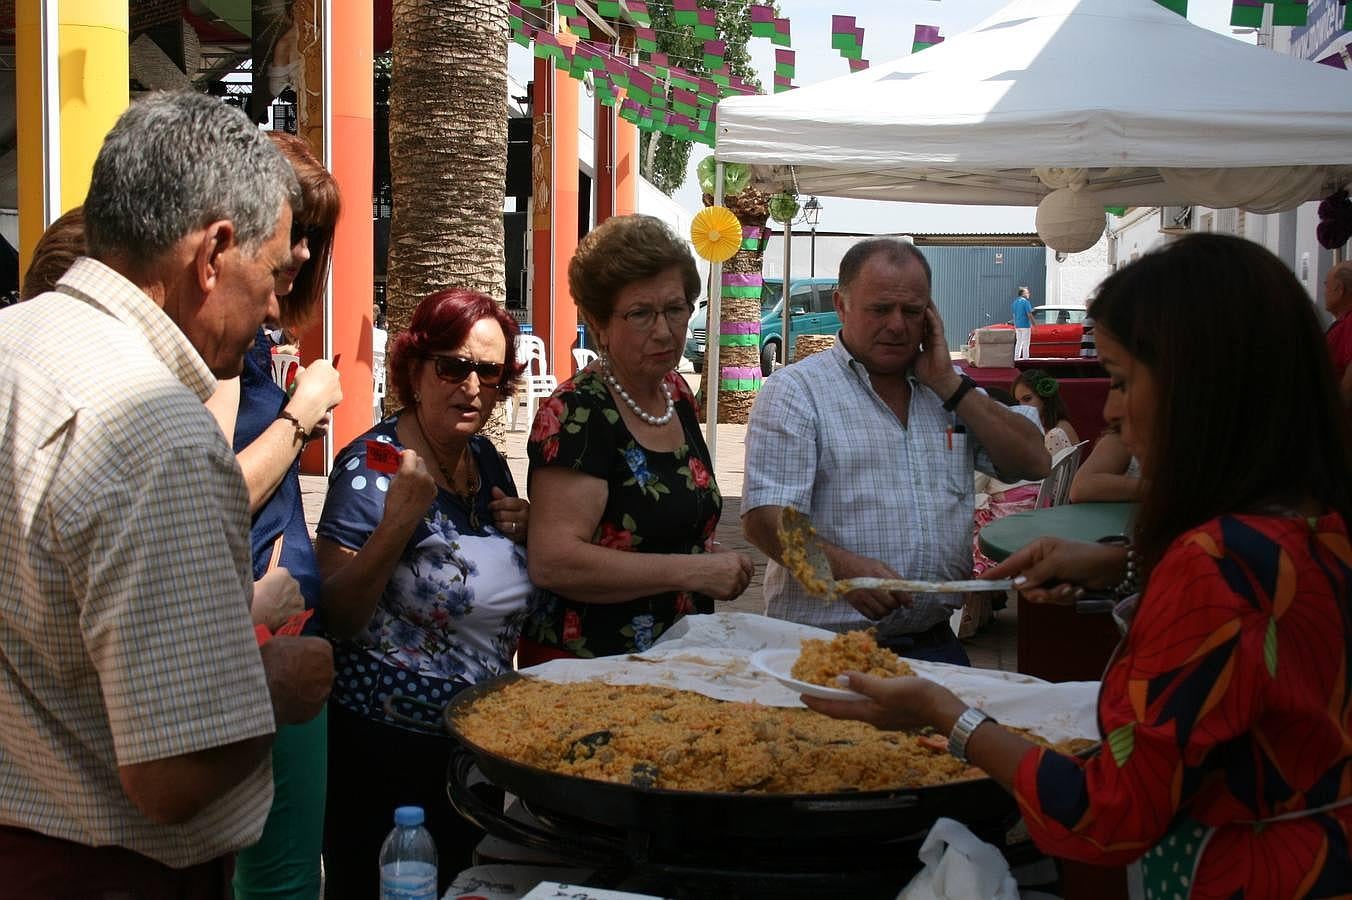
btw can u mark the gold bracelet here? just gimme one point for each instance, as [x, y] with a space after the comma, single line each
[301, 434]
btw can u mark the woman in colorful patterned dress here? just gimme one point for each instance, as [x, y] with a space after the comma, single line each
[420, 546]
[1226, 714]
[625, 502]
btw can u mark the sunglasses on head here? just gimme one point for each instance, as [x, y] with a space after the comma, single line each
[457, 368]
[312, 234]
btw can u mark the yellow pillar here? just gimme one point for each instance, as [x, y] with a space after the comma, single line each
[86, 49]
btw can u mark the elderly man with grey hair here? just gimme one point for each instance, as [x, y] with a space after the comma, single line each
[138, 708]
[877, 440]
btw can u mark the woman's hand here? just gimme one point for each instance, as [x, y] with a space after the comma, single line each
[1054, 570]
[412, 491]
[510, 515]
[893, 703]
[722, 575]
[276, 597]
[316, 391]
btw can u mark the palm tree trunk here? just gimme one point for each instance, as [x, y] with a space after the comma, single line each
[738, 330]
[448, 151]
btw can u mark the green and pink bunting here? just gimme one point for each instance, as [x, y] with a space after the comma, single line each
[784, 70]
[846, 37]
[1249, 13]
[925, 36]
[639, 13]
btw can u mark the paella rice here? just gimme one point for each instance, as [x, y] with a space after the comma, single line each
[820, 661]
[793, 553]
[680, 740]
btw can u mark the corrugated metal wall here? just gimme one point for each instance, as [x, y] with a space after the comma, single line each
[974, 286]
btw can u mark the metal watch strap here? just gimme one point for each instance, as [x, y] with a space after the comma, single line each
[951, 404]
[968, 722]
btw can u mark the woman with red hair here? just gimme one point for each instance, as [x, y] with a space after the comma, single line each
[422, 549]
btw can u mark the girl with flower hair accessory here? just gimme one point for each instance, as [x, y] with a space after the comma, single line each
[1037, 389]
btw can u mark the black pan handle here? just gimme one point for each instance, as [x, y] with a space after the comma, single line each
[857, 804]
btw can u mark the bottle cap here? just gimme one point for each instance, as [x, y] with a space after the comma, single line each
[408, 816]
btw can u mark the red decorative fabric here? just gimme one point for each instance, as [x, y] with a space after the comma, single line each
[1339, 339]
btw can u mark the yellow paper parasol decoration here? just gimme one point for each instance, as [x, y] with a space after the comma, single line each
[716, 233]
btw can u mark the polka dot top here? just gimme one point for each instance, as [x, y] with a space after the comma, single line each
[452, 610]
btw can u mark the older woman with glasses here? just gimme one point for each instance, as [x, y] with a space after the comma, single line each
[625, 502]
[420, 546]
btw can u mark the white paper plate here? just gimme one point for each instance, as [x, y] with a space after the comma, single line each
[779, 663]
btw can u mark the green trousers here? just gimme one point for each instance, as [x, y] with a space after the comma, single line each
[285, 861]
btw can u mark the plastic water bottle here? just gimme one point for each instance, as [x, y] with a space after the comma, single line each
[408, 859]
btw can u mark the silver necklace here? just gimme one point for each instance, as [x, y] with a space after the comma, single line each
[632, 404]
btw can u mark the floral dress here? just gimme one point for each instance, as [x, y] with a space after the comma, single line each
[1227, 722]
[452, 610]
[657, 502]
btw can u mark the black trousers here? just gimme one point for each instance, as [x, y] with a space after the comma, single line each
[374, 768]
[937, 644]
[34, 865]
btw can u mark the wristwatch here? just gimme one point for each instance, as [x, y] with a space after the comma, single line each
[968, 722]
[951, 404]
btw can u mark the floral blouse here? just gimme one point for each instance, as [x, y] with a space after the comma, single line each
[1228, 708]
[658, 503]
[452, 610]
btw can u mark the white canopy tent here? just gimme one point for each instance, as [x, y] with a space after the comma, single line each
[1140, 105]
[1102, 102]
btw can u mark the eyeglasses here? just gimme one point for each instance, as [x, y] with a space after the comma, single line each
[457, 369]
[642, 318]
[312, 234]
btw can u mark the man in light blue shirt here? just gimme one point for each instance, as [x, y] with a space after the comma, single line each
[876, 440]
[1023, 324]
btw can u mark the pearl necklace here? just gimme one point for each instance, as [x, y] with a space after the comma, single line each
[633, 405]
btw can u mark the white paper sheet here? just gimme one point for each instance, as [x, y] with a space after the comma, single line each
[711, 655]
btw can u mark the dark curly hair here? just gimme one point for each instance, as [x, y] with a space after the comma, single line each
[620, 251]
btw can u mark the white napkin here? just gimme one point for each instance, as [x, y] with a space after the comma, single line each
[960, 866]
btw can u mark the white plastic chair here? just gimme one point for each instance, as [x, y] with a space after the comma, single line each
[284, 366]
[1055, 489]
[377, 384]
[581, 357]
[536, 382]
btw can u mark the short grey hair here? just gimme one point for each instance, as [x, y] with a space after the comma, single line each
[896, 251]
[175, 162]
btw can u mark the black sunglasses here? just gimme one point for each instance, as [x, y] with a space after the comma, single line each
[457, 368]
[312, 234]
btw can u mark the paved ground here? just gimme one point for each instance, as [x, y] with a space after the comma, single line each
[994, 648]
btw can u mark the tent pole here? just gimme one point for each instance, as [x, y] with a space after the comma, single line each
[713, 333]
[784, 295]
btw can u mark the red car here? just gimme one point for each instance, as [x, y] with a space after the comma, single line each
[1056, 332]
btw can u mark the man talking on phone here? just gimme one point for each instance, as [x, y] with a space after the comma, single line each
[877, 440]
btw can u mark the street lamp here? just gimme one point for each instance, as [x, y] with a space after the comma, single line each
[812, 211]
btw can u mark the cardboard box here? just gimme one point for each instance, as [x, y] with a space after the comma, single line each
[993, 348]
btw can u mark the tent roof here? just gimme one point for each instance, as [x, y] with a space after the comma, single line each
[1121, 89]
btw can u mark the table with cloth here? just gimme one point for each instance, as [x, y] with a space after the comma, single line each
[1056, 643]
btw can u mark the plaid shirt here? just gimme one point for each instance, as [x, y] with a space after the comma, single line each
[820, 439]
[124, 573]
